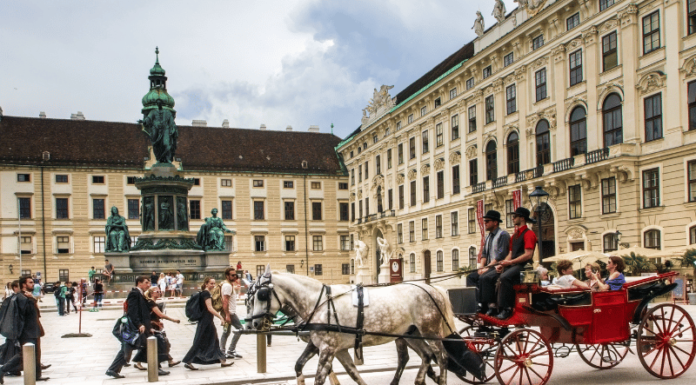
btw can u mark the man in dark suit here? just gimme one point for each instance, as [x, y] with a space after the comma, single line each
[139, 314]
[31, 329]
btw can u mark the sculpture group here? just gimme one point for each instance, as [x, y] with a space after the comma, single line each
[499, 12]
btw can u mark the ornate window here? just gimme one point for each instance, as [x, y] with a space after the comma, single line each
[513, 153]
[575, 60]
[691, 9]
[491, 161]
[412, 263]
[540, 82]
[472, 118]
[692, 104]
[573, 21]
[651, 188]
[574, 202]
[438, 226]
[611, 242]
[538, 42]
[508, 59]
[471, 223]
[691, 177]
[470, 83]
[455, 180]
[455, 259]
[426, 189]
[413, 193]
[487, 72]
[578, 131]
[440, 184]
[399, 233]
[454, 225]
[424, 229]
[439, 135]
[610, 55]
[411, 231]
[543, 143]
[653, 117]
[473, 172]
[651, 239]
[613, 121]
[490, 110]
[440, 266]
[609, 195]
[604, 4]
[453, 93]
[455, 127]
[651, 32]
[511, 99]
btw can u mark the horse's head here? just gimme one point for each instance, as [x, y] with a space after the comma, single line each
[263, 303]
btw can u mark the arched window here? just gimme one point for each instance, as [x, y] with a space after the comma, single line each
[412, 263]
[472, 257]
[651, 239]
[543, 143]
[692, 235]
[611, 243]
[455, 259]
[613, 122]
[513, 153]
[578, 131]
[491, 161]
[440, 261]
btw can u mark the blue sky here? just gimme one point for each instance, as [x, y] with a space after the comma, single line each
[279, 63]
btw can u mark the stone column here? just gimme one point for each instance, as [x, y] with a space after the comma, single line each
[560, 144]
[631, 51]
[593, 67]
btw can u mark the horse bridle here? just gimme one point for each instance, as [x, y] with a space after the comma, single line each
[263, 291]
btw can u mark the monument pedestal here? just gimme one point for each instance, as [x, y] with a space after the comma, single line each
[384, 276]
[363, 276]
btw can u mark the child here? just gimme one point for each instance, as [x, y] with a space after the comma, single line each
[566, 279]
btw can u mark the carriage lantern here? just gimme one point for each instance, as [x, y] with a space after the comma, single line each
[540, 197]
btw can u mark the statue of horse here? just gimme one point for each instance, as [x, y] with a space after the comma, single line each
[421, 311]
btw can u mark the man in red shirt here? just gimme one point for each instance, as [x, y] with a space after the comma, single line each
[522, 245]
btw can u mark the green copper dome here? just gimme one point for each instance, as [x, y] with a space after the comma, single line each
[158, 89]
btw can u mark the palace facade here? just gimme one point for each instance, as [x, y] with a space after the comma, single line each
[593, 100]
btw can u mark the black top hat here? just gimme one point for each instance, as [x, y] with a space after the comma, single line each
[493, 215]
[524, 213]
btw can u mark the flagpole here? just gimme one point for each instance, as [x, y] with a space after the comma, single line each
[19, 240]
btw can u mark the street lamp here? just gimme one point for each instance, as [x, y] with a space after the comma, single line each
[540, 197]
[618, 239]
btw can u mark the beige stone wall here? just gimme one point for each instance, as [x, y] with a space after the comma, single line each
[81, 228]
[638, 75]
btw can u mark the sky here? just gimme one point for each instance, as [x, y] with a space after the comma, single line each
[272, 62]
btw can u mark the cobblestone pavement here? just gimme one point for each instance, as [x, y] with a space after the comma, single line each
[84, 360]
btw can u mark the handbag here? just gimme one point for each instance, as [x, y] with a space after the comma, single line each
[126, 332]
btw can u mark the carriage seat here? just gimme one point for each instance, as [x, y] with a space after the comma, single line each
[546, 301]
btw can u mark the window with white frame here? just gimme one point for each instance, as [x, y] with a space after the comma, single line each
[651, 239]
[99, 244]
[454, 223]
[440, 265]
[412, 263]
[455, 259]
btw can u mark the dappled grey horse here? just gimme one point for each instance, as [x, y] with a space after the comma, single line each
[405, 309]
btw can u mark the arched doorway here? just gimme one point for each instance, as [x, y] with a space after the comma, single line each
[426, 266]
[548, 231]
[378, 234]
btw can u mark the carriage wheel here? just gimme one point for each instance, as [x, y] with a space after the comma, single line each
[487, 351]
[524, 358]
[603, 356]
[665, 342]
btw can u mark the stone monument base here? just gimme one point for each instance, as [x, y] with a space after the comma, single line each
[384, 276]
[363, 276]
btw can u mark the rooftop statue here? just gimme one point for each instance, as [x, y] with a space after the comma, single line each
[159, 126]
[117, 236]
[380, 100]
[499, 11]
[478, 24]
[211, 236]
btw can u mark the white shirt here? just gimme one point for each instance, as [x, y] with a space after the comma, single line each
[565, 281]
[228, 289]
[180, 279]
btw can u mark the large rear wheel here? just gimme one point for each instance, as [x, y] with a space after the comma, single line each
[486, 348]
[524, 358]
[666, 341]
[604, 356]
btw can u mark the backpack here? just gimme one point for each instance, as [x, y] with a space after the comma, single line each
[56, 292]
[10, 323]
[217, 298]
[193, 307]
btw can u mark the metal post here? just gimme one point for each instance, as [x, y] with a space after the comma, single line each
[19, 244]
[29, 356]
[539, 210]
[261, 353]
[152, 364]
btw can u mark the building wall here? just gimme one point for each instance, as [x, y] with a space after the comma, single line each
[666, 71]
[82, 228]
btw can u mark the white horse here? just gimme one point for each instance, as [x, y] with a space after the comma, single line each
[405, 309]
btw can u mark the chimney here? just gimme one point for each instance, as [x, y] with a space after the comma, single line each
[42, 115]
[313, 128]
[263, 127]
[225, 123]
[78, 116]
[288, 128]
[199, 123]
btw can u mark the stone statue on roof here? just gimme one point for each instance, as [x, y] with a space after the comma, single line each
[380, 103]
[478, 24]
[499, 11]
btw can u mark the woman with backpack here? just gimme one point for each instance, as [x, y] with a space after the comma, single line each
[206, 346]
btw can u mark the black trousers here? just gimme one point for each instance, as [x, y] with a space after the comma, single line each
[124, 355]
[485, 285]
[16, 363]
[506, 293]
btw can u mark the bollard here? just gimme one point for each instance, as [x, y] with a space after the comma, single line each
[152, 364]
[261, 353]
[29, 355]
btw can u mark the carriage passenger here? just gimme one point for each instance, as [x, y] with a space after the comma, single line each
[566, 279]
[592, 282]
[616, 279]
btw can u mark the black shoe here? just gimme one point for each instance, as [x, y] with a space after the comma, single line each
[233, 354]
[44, 367]
[114, 374]
[162, 372]
[504, 314]
[492, 312]
[190, 367]
[43, 378]
[2, 375]
[481, 309]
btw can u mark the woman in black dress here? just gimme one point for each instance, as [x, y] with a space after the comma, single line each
[156, 316]
[206, 346]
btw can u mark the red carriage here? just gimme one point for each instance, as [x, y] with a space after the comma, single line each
[600, 325]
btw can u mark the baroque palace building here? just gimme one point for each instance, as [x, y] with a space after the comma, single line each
[284, 193]
[593, 100]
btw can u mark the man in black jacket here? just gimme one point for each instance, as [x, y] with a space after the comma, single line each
[31, 330]
[139, 315]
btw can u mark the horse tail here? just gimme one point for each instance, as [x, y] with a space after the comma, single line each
[447, 323]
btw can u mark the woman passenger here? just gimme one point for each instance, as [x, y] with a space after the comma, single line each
[616, 279]
[566, 279]
[592, 282]
[156, 316]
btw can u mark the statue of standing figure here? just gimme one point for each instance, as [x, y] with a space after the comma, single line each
[383, 251]
[159, 126]
[166, 216]
[211, 236]
[360, 252]
[499, 11]
[478, 24]
[117, 237]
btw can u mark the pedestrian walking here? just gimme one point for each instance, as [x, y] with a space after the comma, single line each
[179, 284]
[38, 287]
[163, 345]
[206, 347]
[70, 297]
[138, 314]
[31, 330]
[98, 292]
[230, 292]
[11, 346]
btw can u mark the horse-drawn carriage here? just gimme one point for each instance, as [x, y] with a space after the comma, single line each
[600, 325]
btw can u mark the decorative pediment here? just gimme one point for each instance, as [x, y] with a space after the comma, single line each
[412, 174]
[689, 66]
[508, 130]
[576, 232]
[471, 152]
[520, 72]
[651, 82]
[359, 194]
[455, 157]
[540, 62]
[439, 164]
[628, 15]
[589, 36]
[399, 178]
[352, 197]
[608, 89]
[377, 180]
[572, 103]
[549, 114]
[558, 53]
[608, 25]
[380, 103]
[425, 169]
